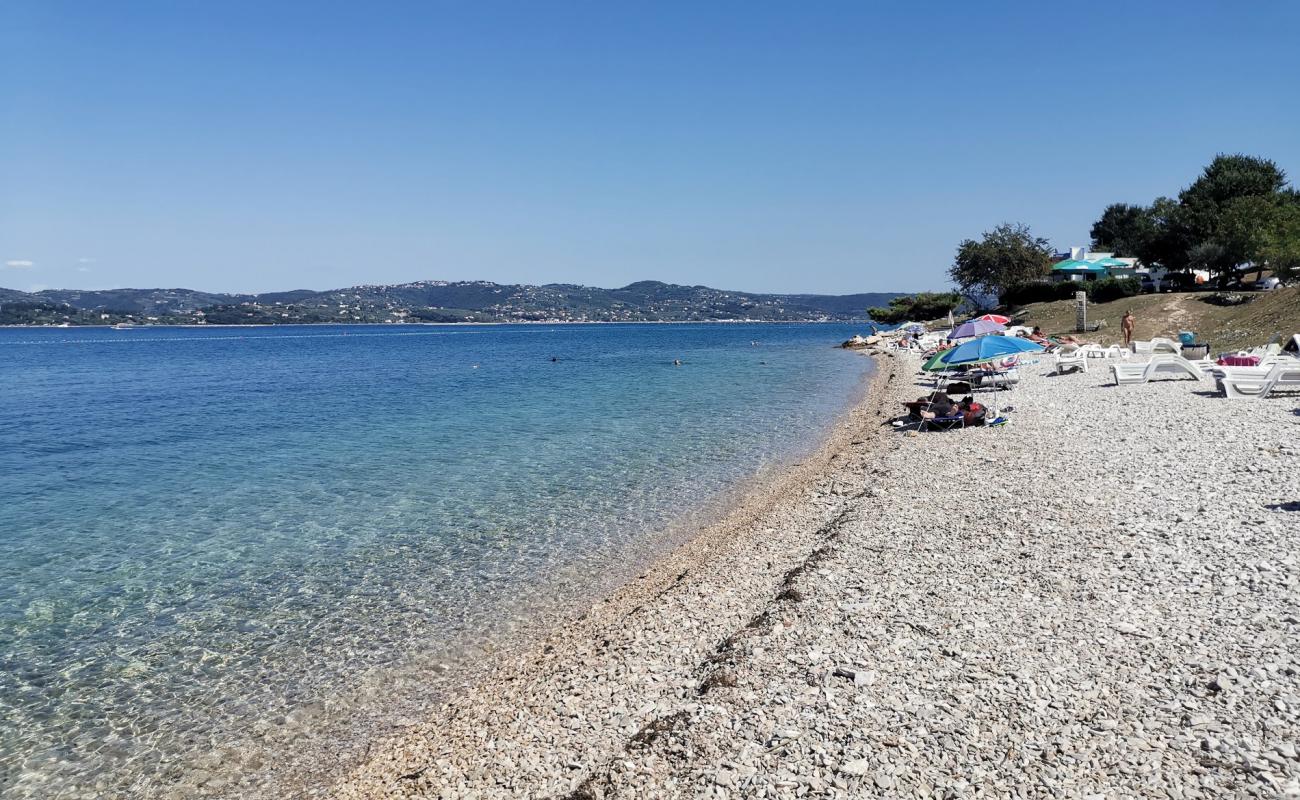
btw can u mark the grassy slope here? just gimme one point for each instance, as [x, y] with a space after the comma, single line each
[1224, 327]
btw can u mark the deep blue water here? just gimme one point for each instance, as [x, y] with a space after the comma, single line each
[202, 527]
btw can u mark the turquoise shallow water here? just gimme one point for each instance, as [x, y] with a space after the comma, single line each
[207, 527]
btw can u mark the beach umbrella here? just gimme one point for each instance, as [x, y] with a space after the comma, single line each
[1077, 265]
[976, 327]
[935, 363]
[1111, 263]
[998, 318]
[987, 348]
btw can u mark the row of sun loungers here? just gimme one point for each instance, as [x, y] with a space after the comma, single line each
[1275, 373]
[1070, 358]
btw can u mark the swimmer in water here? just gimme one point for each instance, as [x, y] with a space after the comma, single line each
[677, 362]
[553, 359]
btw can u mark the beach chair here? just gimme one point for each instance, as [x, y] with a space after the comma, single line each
[995, 379]
[1097, 351]
[1160, 365]
[1072, 359]
[957, 420]
[1241, 382]
[1156, 345]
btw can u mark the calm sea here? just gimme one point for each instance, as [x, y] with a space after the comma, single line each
[208, 530]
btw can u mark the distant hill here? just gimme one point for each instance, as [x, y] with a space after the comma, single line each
[431, 301]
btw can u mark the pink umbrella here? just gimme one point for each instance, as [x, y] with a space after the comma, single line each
[998, 318]
[976, 327]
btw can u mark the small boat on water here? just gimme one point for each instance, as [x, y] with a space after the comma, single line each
[124, 326]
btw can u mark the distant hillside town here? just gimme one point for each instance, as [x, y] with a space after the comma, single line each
[428, 301]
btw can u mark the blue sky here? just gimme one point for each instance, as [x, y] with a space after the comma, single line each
[821, 147]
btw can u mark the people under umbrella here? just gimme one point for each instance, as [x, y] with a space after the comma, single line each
[939, 411]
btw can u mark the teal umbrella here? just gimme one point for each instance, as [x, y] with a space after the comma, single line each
[1075, 265]
[1111, 263]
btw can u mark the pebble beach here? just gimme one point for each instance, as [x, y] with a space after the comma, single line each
[1099, 599]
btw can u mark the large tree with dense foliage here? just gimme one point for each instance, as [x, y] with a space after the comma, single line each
[920, 306]
[1229, 210]
[1238, 211]
[1009, 254]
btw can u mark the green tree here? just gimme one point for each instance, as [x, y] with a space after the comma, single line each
[1238, 211]
[1230, 177]
[920, 306]
[1125, 230]
[1277, 246]
[1007, 255]
[1171, 241]
[1228, 212]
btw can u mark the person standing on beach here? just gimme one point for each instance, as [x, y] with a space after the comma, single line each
[1126, 325]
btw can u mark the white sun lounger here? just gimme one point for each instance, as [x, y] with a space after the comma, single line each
[1097, 351]
[1160, 365]
[1238, 382]
[1072, 359]
[1158, 345]
[1263, 353]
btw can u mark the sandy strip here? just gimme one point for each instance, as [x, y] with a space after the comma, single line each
[1101, 599]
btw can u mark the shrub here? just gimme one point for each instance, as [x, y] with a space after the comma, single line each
[1039, 292]
[919, 306]
[1102, 291]
[1108, 289]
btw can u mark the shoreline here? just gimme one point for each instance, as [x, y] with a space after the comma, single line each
[457, 324]
[806, 492]
[1129, 626]
[329, 739]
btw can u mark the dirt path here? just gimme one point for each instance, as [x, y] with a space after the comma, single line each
[1176, 314]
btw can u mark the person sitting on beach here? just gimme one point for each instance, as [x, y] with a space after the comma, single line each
[1036, 336]
[972, 412]
[940, 406]
[917, 407]
[923, 407]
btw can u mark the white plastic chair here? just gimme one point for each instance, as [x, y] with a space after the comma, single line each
[1075, 359]
[1241, 382]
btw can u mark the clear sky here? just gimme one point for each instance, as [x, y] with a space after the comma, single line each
[820, 147]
